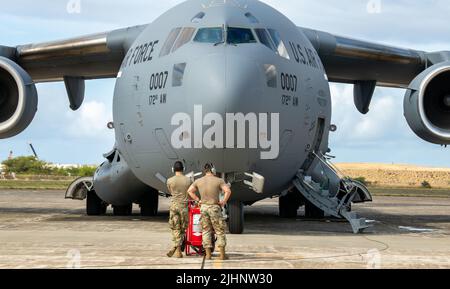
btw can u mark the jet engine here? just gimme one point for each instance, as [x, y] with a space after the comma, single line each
[427, 104]
[18, 98]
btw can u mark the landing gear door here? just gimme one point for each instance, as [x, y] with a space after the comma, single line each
[315, 147]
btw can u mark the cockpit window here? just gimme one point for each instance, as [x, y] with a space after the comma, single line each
[271, 75]
[265, 39]
[185, 36]
[173, 35]
[178, 74]
[197, 18]
[209, 35]
[281, 48]
[240, 36]
[252, 18]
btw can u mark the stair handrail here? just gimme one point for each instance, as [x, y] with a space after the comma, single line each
[338, 173]
[348, 184]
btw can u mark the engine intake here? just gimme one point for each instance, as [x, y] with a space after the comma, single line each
[18, 98]
[427, 104]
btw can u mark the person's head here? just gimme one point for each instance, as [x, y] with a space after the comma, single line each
[209, 169]
[178, 167]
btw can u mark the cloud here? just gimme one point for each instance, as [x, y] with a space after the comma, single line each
[382, 135]
[63, 136]
[105, 12]
[400, 22]
[384, 118]
[418, 22]
[90, 121]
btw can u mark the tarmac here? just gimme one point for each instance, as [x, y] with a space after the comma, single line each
[40, 229]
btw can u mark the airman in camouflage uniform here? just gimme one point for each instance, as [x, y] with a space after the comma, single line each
[213, 222]
[212, 219]
[178, 220]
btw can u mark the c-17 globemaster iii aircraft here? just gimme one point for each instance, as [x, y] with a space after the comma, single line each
[235, 83]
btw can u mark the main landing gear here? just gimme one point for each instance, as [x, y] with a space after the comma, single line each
[83, 189]
[235, 217]
[94, 205]
[289, 204]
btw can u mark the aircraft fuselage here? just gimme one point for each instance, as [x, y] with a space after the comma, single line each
[184, 103]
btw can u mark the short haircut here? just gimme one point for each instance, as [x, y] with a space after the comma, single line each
[208, 168]
[178, 167]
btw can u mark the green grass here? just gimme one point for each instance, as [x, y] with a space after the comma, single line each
[376, 191]
[409, 192]
[34, 185]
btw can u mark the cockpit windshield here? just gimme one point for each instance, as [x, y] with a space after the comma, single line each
[209, 35]
[240, 36]
[234, 35]
[272, 39]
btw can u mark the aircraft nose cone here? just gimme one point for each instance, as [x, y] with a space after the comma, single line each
[223, 84]
[207, 83]
[226, 83]
[244, 84]
[244, 91]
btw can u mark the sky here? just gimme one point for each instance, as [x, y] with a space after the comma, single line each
[383, 136]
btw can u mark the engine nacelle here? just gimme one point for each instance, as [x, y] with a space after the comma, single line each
[427, 104]
[18, 98]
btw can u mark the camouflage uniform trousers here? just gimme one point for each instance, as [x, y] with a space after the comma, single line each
[213, 222]
[178, 222]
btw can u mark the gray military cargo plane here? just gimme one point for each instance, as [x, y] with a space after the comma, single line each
[235, 83]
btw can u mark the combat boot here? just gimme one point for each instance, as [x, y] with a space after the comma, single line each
[208, 254]
[222, 256]
[171, 252]
[178, 253]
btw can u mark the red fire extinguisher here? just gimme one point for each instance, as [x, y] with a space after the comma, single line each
[193, 239]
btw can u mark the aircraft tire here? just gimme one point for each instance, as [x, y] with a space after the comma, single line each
[288, 206]
[94, 205]
[312, 212]
[149, 204]
[235, 217]
[104, 209]
[123, 210]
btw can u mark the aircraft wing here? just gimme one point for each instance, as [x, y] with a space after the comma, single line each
[87, 57]
[72, 61]
[367, 64]
[100, 55]
[349, 60]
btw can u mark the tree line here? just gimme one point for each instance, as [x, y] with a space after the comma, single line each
[30, 165]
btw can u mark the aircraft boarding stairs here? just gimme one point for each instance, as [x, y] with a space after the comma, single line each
[334, 193]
